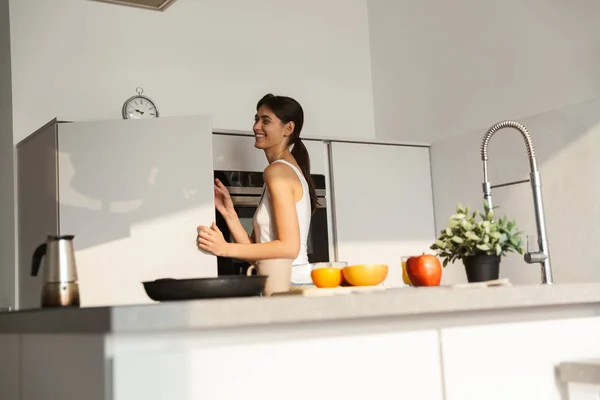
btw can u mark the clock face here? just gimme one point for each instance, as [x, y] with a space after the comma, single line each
[139, 107]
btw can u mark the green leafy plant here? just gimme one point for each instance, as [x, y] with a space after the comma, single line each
[465, 236]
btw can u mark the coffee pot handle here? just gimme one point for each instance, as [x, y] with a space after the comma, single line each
[36, 261]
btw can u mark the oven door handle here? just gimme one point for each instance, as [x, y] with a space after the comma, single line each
[246, 190]
[245, 201]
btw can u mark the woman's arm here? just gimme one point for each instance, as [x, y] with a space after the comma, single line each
[279, 180]
[238, 233]
[225, 207]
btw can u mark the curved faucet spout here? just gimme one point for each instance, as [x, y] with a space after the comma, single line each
[543, 255]
[526, 138]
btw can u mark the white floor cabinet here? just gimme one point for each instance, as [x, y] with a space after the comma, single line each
[10, 366]
[515, 360]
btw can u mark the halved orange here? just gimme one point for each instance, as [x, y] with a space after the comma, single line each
[365, 274]
[327, 277]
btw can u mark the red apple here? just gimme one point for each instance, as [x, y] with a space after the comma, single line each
[424, 270]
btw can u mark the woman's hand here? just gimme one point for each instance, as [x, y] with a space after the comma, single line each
[211, 239]
[223, 201]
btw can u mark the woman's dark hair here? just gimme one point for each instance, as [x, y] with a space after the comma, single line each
[288, 109]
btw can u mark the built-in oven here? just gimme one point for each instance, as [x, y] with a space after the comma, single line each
[246, 189]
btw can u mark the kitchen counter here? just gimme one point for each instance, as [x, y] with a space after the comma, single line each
[434, 307]
[426, 343]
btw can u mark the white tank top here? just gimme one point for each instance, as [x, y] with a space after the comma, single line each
[264, 223]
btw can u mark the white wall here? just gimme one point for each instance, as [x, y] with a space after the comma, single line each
[567, 144]
[7, 216]
[449, 67]
[444, 69]
[80, 60]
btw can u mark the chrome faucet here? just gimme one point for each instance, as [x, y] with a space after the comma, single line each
[543, 255]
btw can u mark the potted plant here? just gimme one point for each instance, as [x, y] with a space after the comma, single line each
[479, 244]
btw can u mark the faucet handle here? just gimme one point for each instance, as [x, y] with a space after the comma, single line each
[529, 241]
[533, 256]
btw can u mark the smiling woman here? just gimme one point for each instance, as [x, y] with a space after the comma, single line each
[289, 199]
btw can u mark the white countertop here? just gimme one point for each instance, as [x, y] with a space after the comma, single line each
[437, 302]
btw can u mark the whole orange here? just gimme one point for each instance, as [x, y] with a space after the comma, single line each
[327, 277]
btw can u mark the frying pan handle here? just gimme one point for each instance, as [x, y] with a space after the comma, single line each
[250, 269]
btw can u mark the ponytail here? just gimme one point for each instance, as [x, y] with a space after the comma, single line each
[302, 158]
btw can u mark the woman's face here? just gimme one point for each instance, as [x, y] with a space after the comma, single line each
[270, 131]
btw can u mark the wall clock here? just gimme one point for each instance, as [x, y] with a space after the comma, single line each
[139, 106]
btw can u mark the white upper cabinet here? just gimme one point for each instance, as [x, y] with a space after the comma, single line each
[132, 192]
[237, 153]
[383, 203]
[317, 150]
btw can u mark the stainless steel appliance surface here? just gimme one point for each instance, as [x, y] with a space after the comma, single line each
[246, 189]
[60, 287]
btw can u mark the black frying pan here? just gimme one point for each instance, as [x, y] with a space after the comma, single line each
[169, 289]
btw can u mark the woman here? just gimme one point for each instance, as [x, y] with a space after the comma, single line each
[282, 218]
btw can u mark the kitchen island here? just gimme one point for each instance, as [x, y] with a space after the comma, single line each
[414, 343]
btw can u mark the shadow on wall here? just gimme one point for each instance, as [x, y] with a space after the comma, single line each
[566, 142]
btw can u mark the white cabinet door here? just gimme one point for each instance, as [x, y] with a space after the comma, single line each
[514, 360]
[63, 366]
[383, 204]
[133, 193]
[582, 391]
[237, 153]
[10, 366]
[389, 366]
[317, 151]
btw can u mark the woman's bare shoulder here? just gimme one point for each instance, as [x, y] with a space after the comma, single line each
[278, 170]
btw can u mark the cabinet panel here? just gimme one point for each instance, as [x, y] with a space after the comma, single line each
[581, 391]
[37, 206]
[10, 366]
[65, 367]
[237, 153]
[514, 361]
[317, 152]
[133, 193]
[377, 366]
[383, 203]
